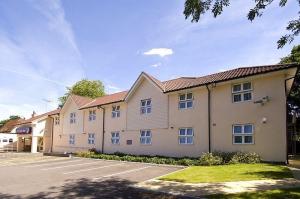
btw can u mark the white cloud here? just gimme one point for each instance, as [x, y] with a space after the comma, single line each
[162, 52]
[112, 89]
[156, 65]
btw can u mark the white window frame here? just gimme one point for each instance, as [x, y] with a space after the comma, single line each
[242, 92]
[144, 137]
[185, 136]
[72, 118]
[242, 134]
[115, 111]
[186, 100]
[92, 115]
[72, 139]
[146, 107]
[115, 137]
[57, 120]
[91, 138]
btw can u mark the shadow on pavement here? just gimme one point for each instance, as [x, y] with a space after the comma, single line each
[85, 188]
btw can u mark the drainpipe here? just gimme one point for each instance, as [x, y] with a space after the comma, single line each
[52, 131]
[209, 119]
[103, 130]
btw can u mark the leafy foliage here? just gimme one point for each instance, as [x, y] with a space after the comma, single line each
[86, 88]
[209, 159]
[196, 8]
[12, 117]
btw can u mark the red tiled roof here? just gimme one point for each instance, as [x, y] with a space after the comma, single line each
[107, 99]
[39, 116]
[8, 126]
[189, 82]
[80, 100]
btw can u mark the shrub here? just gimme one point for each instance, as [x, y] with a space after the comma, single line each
[243, 157]
[209, 159]
[226, 156]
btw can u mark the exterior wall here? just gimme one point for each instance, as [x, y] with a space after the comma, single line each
[165, 131]
[47, 135]
[6, 146]
[269, 137]
[159, 113]
[80, 129]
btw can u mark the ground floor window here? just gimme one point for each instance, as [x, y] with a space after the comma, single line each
[72, 139]
[145, 137]
[242, 134]
[115, 137]
[91, 138]
[186, 136]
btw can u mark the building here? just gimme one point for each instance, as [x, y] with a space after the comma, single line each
[243, 109]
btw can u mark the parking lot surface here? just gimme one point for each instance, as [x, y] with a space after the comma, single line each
[37, 176]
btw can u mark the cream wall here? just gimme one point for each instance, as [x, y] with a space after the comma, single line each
[159, 113]
[269, 137]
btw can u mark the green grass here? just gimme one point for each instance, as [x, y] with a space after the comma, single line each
[226, 173]
[270, 194]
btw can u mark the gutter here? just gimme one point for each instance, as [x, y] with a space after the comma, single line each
[103, 130]
[209, 117]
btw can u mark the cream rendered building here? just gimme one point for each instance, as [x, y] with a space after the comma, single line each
[243, 109]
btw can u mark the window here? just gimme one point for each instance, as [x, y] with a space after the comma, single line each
[186, 136]
[242, 134]
[92, 115]
[72, 139]
[115, 111]
[72, 118]
[56, 121]
[10, 140]
[185, 101]
[4, 140]
[146, 106]
[115, 137]
[242, 92]
[145, 137]
[91, 138]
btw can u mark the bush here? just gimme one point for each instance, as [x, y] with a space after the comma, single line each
[243, 157]
[215, 158]
[209, 159]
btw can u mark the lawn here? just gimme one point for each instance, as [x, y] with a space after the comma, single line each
[226, 173]
[270, 194]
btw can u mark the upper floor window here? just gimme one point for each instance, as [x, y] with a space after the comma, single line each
[91, 138]
[57, 120]
[92, 115]
[242, 134]
[115, 137]
[115, 111]
[72, 139]
[242, 92]
[185, 101]
[146, 106]
[186, 136]
[72, 118]
[145, 137]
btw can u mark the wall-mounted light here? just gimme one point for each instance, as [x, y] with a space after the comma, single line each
[264, 120]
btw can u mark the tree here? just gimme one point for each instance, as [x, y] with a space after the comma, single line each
[86, 88]
[196, 8]
[12, 117]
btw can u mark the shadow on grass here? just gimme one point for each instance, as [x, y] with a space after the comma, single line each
[285, 173]
[85, 188]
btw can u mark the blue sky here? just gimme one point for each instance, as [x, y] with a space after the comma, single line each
[48, 45]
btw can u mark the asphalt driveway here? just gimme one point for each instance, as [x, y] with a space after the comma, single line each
[37, 176]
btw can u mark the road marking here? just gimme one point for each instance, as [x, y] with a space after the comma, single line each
[120, 173]
[73, 165]
[52, 163]
[83, 170]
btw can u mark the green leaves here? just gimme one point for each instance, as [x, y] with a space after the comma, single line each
[86, 88]
[196, 8]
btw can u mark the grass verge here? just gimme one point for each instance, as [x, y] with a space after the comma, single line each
[227, 173]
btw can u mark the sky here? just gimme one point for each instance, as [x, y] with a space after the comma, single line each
[46, 46]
